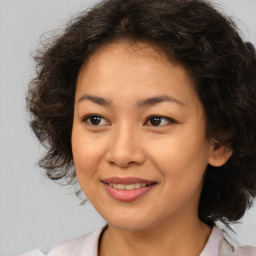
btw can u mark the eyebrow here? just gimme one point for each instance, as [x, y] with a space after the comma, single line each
[159, 99]
[142, 103]
[95, 99]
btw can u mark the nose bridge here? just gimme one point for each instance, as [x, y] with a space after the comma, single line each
[126, 147]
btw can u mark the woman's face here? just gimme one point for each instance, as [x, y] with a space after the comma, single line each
[139, 143]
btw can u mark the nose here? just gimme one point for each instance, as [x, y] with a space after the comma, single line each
[125, 148]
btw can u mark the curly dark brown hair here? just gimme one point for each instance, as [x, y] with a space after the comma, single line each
[200, 38]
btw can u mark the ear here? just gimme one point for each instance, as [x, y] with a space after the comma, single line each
[219, 155]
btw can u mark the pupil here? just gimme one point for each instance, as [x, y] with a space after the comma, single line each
[95, 120]
[155, 121]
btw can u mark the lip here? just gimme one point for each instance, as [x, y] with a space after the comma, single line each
[127, 195]
[127, 180]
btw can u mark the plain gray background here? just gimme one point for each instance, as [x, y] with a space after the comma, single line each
[34, 212]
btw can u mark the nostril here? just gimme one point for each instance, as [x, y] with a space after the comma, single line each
[125, 155]
[123, 164]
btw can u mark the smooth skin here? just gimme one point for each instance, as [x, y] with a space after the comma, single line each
[118, 132]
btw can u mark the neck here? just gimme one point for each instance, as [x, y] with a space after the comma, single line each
[187, 239]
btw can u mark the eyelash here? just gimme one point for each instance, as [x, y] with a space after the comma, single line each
[87, 120]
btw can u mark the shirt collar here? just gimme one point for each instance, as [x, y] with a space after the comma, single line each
[212, 245]
[90, 245]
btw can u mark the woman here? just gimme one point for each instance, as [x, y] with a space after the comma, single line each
[150, 105]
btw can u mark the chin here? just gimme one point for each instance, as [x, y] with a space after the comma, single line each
[131, 226]
[134, 223]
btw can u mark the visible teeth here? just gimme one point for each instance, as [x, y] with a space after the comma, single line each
[137, 185]
[130, 187]
[127, 186]
[121, 186]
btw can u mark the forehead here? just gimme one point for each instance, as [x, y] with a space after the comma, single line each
[137, 54]
[130, 48]
[133, 69]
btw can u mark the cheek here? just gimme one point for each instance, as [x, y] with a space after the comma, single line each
[181, 159]
[86, 153]
[86, 159]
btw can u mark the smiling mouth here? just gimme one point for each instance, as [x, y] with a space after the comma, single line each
[127, 186]
[127, 189]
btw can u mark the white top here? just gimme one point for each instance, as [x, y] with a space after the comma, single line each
[87, 245]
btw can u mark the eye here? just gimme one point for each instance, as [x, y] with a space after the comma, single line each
[159, 120]
[95, 120]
